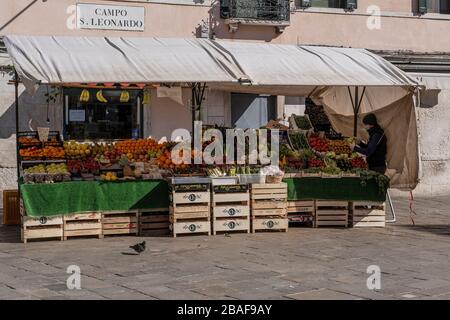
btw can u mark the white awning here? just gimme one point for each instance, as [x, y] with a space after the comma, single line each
[59, 60]
[292, 65]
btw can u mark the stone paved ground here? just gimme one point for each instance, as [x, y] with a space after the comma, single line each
[302, 264]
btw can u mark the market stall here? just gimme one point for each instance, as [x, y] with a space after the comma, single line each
[136, 178]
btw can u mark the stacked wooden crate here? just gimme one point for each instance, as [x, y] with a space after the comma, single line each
[331, 213]
[230, 208]
[11, 207]
[154, 222]
[120, 222]
[301, 211]
[83, 224]
[35, 228]
[269, 207]
[189, 210]
[367, 214]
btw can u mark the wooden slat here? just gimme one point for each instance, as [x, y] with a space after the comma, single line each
[369, 212]
[269, 224]
[153, 218]
[119, 231]
[158, 225]
[331, 218]
[119, 226]
[120, 220]
[300, 203]
[231, 225]
[83, 216]
[266, 191]
[191, 227]
[231, 211]
[43, 233]
[90, 232]
[82, 226]
[269, 212]
[268, 204]
[193, 208]
[300, 209]
[269, 185]
[189, 215]
[268, 196]
[231, 197]
[325, 203]
[191, 197]
[43, 221]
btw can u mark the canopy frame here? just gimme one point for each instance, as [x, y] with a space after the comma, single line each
[356, 104]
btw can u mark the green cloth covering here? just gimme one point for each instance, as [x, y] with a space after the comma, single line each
[88, 196]
[350, 189]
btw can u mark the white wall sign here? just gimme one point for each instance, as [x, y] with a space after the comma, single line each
[95, 16]
[77, 115]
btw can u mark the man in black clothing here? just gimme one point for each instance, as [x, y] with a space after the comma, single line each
[375, 149]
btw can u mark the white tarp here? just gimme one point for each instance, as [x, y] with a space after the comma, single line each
[58, 60]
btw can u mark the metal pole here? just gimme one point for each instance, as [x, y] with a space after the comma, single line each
[355, 112]
[193, 108]
[16, 88]
[394, 218]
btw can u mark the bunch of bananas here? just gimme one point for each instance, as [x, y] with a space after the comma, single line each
[100, 96]
[146, 99]
[84, 97]
[124, 96]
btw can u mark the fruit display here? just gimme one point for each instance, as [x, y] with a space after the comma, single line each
[48, 152]
[303, 122]
[84, 97]
[124, 96]
[100, 97]
[319, 144]
[298, 141]
[108, 176]
[316, 163]
[46, 173]
[339, 146]
[28, 141]
[358, 162]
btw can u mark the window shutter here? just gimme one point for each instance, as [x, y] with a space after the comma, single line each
[352, 4]
[423, 6]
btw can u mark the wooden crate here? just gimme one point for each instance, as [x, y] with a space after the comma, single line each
[301, 211]
[231, 225]
[367, 214]
[154, 222]
[230, 211]
[269, 224]
[189, 212]
[83, 224]
[269, 207]
[301, 206]
[190, 227]
[331, 213]
[120, 222]
[11, 207]
[269, 191]
[41, 228]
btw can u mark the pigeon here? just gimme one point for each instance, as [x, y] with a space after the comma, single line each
[139, 247]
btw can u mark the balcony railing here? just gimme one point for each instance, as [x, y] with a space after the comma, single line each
[258, 10]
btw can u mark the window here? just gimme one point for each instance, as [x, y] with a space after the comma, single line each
[97, 120]
[434, 6]
[343, 4]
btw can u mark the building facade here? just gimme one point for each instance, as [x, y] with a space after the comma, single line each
[409, 33]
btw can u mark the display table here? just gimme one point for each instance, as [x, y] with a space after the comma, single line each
[347, 189]
[93, 196]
